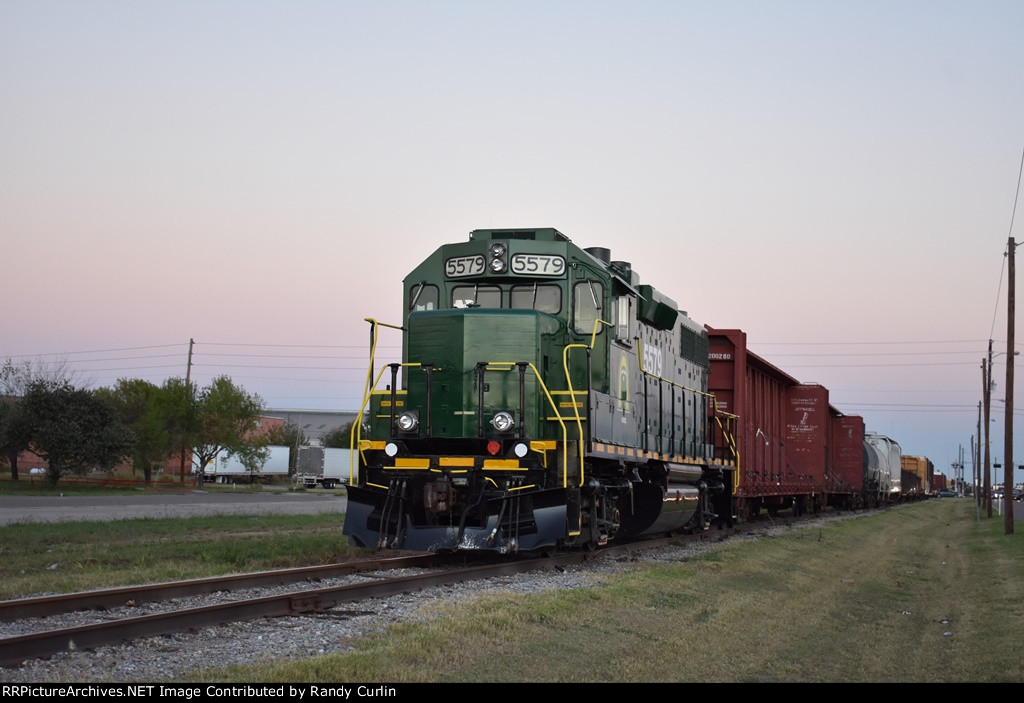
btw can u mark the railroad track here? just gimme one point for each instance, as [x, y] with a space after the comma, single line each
[15, 650]
[42, 606]
[43, 644]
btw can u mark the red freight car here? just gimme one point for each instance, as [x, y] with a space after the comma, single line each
[782, 436]
[845, 475]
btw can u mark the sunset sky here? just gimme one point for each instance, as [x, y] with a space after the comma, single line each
[835, 178]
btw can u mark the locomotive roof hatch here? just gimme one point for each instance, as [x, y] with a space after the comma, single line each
[542, 234]
[657, 309]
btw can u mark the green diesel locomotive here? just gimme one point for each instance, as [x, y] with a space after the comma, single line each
[545, 398]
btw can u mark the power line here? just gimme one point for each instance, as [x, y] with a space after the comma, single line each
[279, 366]
[935, 353]
[93, 351]
[854, 366]
[945, 341]
[299, 356]
[301, 346]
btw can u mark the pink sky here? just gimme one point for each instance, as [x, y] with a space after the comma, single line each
[267, 174]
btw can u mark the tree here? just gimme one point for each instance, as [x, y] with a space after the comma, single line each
[176, 406]
[15, 379]
[252, 455]
[341, 437]
[15, 434]
[139, 406]
[226, 417]
[289, 435]
[73, 429]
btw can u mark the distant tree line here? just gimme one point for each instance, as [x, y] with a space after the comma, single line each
[76, 429]
[341, 437]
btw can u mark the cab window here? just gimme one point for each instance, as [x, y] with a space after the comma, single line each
[536, 296]
[587, 301]
[624, 319]
[476, 296]
[423, 296]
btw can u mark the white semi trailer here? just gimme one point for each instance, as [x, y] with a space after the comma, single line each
[228, 469]
[325, 467]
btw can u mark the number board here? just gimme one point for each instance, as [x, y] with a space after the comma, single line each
[464, 266]
[538, 265]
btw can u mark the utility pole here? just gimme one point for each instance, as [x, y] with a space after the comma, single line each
[976, 476]
[977, 456]
[1008, 453]
[975, 453]
[976, 479]
[974, 463]
[188, 386]
[986, 394]
[961, 466]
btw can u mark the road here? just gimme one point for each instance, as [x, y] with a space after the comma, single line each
[29, 509]
[1018, 509]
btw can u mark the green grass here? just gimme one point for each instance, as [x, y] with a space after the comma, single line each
[918, 594]
[63, 557]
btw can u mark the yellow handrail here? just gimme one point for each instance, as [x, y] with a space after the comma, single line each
[554, 408]
[572, 391]
[730, 439]
[372, 383]
[357, 426]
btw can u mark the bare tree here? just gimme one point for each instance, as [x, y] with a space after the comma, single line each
[16, 377]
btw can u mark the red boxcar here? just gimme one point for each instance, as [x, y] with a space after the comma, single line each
[845, 477]
[782, 433]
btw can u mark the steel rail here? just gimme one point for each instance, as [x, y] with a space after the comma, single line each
[40, 606]
[15, 650]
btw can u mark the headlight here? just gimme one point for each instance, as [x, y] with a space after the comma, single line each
[408, 421]
[503, 422]
[498, 257]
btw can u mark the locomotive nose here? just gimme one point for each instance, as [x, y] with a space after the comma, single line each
[477, 387]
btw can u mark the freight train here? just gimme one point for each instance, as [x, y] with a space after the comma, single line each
[547, 398]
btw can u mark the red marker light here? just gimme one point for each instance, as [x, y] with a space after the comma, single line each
[493, 447]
